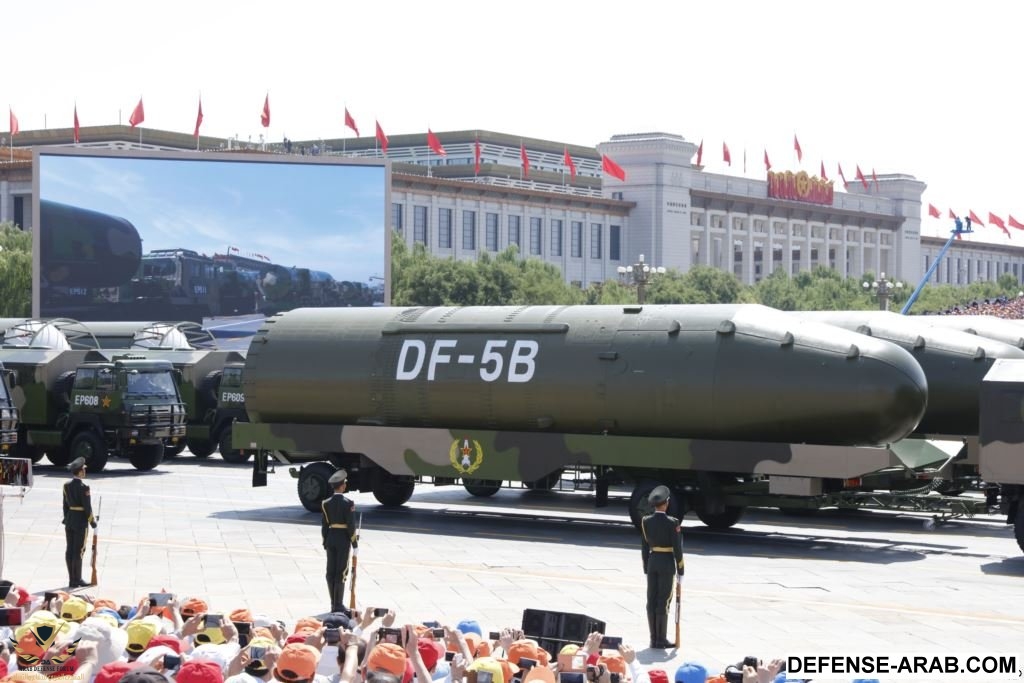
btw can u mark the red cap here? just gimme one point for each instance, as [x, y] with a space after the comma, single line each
[199, 671]
[430, 652]
[112, 672]
[657, 675]
[166, 640]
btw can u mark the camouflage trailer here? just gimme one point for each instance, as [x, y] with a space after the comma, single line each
[93, 404]
[1002, 439]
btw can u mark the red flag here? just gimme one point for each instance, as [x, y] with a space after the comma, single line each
[841, 175]
[823, 176]
[13, 122]
[974, 219]
[526, 161]
[265, 116]
[351, 122]
[567, 158]
[434, 144]
[861, 178]
[700, 151]
[76, 125]
[934, 212]
[138, 114]
[476, 156]
[874, 176]
[767, 164]
[726, 157]
[998, 222]
[612, 168]
[381, 138]
[199, 118]
[1014, 223]
[796, 146]
[951, 214]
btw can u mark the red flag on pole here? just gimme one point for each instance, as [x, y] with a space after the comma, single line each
[767, 164]
[381, 138]
[76, 125]
[874, 176]
[567, 158]
[138, 114]
[265, 116]
[476, 156]
[796, 146]
[434, 144]
[726, 157]
[861, 178]
[612, 168]
[351, 122]
[700, 151]
[842, 175]
[998, 222]
[13, 123]
[974, 219]
[823, 176]
[951, 214]
[526, 161]
[933, 212]
[1014, 223]
[199, 118]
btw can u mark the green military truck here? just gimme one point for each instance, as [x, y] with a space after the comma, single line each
[1001, 459]
[94, 404]
[8, 415]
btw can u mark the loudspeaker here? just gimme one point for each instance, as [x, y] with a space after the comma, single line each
[538, 623]
[562, 627]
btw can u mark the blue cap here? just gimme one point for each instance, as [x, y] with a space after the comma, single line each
[691, 672]
[112, 613]
[865, 680]
[470, 626]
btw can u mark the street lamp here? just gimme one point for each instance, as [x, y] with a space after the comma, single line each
[883, 290]
[640, 273]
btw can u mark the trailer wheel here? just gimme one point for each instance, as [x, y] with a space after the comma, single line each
[392, 491]
[235, 456]
[58, 455]
[720, 520]
[640, 506]
[1018, 526]
[313, 487]
[481, 488]
[201, 448]
[146, 457]
[173, 450]
[90, 446]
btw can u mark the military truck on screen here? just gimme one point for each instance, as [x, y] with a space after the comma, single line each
[8, 415]
[94, 405]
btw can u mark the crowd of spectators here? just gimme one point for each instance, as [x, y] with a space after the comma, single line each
[1000, 307]
[163, 640]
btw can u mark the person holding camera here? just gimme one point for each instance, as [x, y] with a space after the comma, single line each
[77, 520]
[339, 535]
[662, 552]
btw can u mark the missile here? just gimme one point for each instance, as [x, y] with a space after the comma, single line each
[83, 248]
[954, 362]
[988, 326]
[737, 372]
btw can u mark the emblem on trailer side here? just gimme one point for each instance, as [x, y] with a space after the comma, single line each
[466, 455]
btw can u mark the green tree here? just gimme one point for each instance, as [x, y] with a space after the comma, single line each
[15, 272]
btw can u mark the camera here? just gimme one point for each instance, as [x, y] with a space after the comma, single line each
[380, 611]
[751, 661]
[611, 642]
[525, 663]
[332, 636]
[595, 671]
[10, 616]
[437, 632]
[171, 662]
[159, 599]
[449, 656]
[615, 677]
[390, 635]
[570, 677]
[494, 635]
[431, 624]
[49, 595]
[213, 620]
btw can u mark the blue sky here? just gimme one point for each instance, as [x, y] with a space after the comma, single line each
[320, 216]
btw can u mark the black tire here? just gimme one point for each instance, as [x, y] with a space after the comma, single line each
[89, 445]
[24, 450]
[545, 483]
[481, 488]
[58, 455]
[313, 487]
[173, 450]
[1018, 526]
[235, 456]
[640, 506]
[201, 448]
[721, 520]
[392, 491]
[146, 457]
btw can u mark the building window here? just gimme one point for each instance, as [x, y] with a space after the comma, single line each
[469, 230]
[492, 232]
[614, 242]
[535, 235]
[596, 231]
[514, 236]
[556, 237]
[396, 217]
[576, 240]
[444, 228]
[420, 230]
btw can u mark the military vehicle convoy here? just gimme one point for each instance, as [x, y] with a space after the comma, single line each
[93, 404]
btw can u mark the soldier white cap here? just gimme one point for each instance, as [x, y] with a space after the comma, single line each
[338, 477]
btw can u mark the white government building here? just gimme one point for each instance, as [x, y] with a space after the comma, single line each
[668, 208]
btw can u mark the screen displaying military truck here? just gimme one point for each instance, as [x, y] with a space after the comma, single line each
[94, 405]
[8, 413]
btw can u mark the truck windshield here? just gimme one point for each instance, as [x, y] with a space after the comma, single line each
[151, 384]
[159, 267]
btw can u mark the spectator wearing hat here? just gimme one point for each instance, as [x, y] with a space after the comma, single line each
[662, 552]
[297, 663]
[199, 671]
[339, 536]
[77, 518]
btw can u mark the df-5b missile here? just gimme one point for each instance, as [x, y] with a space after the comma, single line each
[737, 372]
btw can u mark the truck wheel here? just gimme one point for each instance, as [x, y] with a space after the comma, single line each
[313, 486]
[201, 448]
[173, 450]
[146, 457]
[90, 446]
[390, 490]
[481, 488]
[235, 456]
[1018, 526]
[58, 455]
[640, 506]
[721, 520]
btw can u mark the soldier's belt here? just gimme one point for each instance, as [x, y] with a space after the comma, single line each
[338, 526]
[662, 549]
[77, 509]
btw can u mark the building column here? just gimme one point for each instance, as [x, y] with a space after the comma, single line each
[787, 249]
[705, 247]
[748, 252]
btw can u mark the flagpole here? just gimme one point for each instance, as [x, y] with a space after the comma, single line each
[344, 134]
[428, 152]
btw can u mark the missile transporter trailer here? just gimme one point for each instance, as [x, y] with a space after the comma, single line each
[730, 405]
[94, 404]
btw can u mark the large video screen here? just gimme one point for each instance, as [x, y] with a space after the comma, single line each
[206, 237]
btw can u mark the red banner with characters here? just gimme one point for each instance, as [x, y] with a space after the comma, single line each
[800, 187]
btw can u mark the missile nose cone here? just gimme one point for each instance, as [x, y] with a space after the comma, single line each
[894, 391]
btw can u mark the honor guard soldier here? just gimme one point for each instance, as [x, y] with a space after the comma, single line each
[339, 534]
[663, 561]
[77, 518]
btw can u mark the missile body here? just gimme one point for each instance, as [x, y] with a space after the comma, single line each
[988, 326]
[83, 248]
[737, 372]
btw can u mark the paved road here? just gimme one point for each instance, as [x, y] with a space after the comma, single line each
[834, 583]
